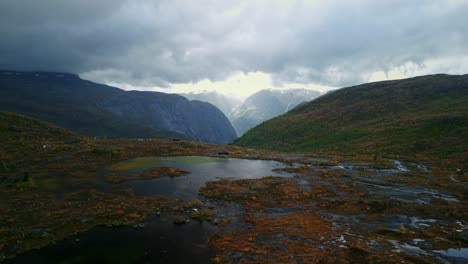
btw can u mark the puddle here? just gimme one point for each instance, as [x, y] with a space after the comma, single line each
[160, 241]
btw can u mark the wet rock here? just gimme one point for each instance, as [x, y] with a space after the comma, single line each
[342, 239]
[223, 153]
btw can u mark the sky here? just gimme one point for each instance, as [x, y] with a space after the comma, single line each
[235, 47]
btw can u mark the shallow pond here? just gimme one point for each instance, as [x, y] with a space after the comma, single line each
[159, 240]
[202, 169]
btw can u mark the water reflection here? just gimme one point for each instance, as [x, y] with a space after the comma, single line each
[205, 169]
[159, 241]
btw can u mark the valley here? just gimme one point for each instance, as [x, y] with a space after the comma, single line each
[234, 132]
[235, 205]
[425, 115]
[256, 108]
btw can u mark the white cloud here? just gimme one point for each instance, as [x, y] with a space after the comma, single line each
[239, 84]
[243, 84]
[448, 65]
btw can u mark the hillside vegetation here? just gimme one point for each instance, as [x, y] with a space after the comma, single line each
[424, 115]
[27, 142]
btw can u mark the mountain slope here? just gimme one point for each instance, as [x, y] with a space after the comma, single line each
[267, 104]
[26, 141]
[427, 114]
[100, 110]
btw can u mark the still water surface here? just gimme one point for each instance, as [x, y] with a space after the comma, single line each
[159, 241]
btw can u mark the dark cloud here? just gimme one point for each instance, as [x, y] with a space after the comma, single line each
[155, 43]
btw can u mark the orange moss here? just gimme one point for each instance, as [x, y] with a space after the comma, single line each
[203, 215]
[259, 194]
[278, 240]
[152, 173]
[194, 203]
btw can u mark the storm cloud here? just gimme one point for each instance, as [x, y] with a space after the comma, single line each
[159, 43]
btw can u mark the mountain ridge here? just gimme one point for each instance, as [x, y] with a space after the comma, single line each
[266, 104]
[425, 114]
[86, 107]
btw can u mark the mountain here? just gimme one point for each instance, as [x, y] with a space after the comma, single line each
[99, 110]
[427, 115]
[267, 104]
[223, 102]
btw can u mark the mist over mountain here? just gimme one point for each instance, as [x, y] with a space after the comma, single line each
[223, 102]
[267, 104]
[99, 110]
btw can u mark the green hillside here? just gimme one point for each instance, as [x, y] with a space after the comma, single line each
[424, 115]
[27, 141]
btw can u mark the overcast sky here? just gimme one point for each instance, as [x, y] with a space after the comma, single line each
[232, 46]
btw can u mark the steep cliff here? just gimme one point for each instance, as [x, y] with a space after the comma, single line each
[100, 110]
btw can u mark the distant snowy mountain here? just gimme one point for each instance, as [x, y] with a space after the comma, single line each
[223, 102]
[267, 104]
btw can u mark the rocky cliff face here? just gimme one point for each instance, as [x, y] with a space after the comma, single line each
[99, 110]
[195, 119]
